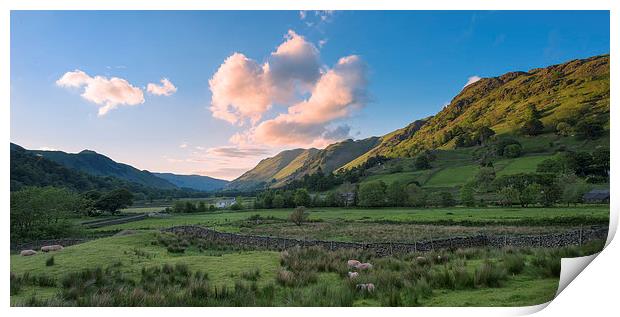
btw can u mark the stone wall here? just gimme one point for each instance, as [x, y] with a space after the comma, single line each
[576, 237]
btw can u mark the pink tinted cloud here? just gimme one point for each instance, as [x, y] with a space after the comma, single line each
[242, 89]
[108, 93]
[336, 95]
[166, 88]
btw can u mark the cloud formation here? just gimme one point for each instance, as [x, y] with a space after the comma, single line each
[165, 89]
[472, 80]
[108, 93]
[242, 90]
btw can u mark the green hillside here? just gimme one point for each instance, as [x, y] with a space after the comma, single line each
[96, 164]
[571, 92]
[294, 164]
[265, 171]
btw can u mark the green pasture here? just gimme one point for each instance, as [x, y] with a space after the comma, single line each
[453, 215]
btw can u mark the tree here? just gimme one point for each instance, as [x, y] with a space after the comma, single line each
[278, 201]
[532, 127]
[42, 212]
[508, 195]
[446, 199]
[512, 150]
[467, 195]
[299, 215]
[600, 162]
[202, 207]
[114, 200]
[589, 130]
[563, 129]
[238, 205]
[422, 162]
[573, 189]
[580, 163]
[372, 194]
[530, 194]
[484, 178]
[301, 198]
[331, 200]
[396, 194]
[416, 196]
[483, 134]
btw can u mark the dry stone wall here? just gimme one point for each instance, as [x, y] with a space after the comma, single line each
[576, 237]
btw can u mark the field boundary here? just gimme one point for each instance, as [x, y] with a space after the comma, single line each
[576, 237]
[117, 221]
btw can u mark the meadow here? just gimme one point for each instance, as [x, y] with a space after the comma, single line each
[573, 216]
[139, 270]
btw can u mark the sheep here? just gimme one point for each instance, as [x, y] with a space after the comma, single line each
[28, 252]
[420, 260]
[368, 287]
[353, 263]
[364, 266]
[54, 247]
[353, 275]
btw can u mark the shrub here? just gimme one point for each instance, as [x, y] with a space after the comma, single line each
[299, 215]
[514, 263]
[252, 275]
[49, 261]
[489, 274]
[512, 150]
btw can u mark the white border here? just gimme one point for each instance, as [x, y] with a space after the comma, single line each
[594, 290]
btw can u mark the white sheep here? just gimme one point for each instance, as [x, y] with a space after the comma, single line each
[54, 247]
[28, 252]
[364, 266]
[353, 275]
[353, 263]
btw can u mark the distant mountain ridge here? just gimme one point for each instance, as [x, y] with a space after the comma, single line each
[197, 182]
[93, 163]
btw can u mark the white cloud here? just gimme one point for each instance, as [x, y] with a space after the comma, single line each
[108, 93]
[183, 145]
[165, 89]
[472, 80]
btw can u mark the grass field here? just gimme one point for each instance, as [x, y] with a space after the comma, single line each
[453, 216]
[452, 176]
[255, 277]
[526, 164]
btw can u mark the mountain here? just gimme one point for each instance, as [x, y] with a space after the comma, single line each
[197, 182]
[294, 164]
[93, 163]
[29, 169]
[572, 92]
[266, 169]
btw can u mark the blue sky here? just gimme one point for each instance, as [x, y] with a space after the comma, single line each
[407, 66]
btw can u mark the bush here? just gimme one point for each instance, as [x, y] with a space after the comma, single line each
[512, 150]
[514, 263]
[299, 215]
[490, 274]
[49, 261]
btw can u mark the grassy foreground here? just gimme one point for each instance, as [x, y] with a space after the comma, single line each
[152, 269]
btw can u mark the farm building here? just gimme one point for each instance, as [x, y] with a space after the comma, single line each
[597, 196]
[225, 203]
